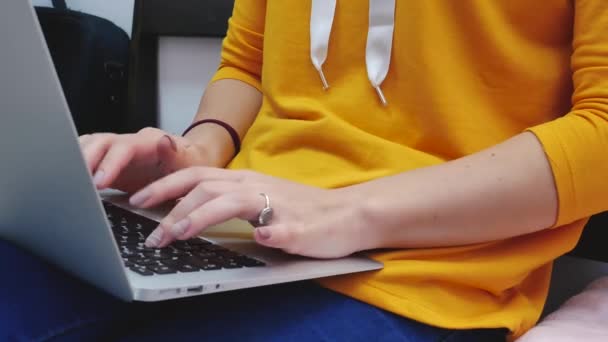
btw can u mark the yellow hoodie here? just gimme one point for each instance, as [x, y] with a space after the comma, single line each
[464, 75]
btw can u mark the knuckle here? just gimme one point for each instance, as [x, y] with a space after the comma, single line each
[148, 131]
[160, 184]
[166, 223]
[191, 172]
[101, 136]
[182, 174]
[197, 172]
[246, 175]
[243, 200]
[99, 140]
[203, 188]
[124, 146]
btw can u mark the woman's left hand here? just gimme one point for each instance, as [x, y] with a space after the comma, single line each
[306, 221]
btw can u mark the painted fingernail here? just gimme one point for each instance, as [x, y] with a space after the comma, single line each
[180, 227]
[264, 233]
[99, 177]
[172, 142]
[154, 239]
[140, 197]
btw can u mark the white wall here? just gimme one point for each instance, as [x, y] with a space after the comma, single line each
[185, 67]
[119, 12]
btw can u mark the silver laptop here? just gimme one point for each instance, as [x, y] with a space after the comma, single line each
[49, 206]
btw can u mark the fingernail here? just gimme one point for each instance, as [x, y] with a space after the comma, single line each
[264, 233]
[180, 227]
[140, 198]
[99, 177]
[172, 142]
[154, 239]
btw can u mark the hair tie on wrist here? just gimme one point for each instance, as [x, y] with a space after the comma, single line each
[233, 134]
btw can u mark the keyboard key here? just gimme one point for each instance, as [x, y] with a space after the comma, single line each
[227, 263]
[188, 268]
[140, 228]
[198, 242]
[211, 267]
[123, 239]
[134, 256]
[205, 255]
[162, 269]
[142, 271]
[228, 254]
[172, 262]
[175, 252]
[120, 230]
[215, 248]
[204, 264]
[157, 254]
[189, 248]
[128, 253]
[130, 234]
[249, 262]
[145, 262]
[231, 265]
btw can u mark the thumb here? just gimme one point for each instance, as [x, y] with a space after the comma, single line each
[277, 236]
[167, 152]
[176, 153]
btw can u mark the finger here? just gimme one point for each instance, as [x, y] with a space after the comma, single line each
[177, 153]
[84, 139]
[115, 160]
[203, 193]
[167, 188]
[178, 184]
[217, 210]
[94, 150]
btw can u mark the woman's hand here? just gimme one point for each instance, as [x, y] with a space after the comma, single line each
[129, 162]
[307, 221]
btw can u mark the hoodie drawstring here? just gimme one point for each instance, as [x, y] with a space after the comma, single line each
[379, 39]
[321, 20]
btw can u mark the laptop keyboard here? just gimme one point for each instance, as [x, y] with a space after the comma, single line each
[193, 255]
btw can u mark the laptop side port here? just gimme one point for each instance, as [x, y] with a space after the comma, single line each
[195, 289]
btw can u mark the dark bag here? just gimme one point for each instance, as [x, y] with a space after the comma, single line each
[91, 56]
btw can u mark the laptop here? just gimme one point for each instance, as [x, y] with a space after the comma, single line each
[49, 206]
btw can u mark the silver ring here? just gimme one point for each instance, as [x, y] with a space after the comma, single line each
[265, 214]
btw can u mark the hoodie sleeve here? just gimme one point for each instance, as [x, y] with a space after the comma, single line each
[577, 143]
[241, 56]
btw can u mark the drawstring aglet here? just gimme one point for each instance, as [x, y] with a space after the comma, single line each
[381, 96]
[323, 79]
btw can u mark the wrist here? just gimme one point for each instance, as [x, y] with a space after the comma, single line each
[213, 142]
[388, 217]
[363, 217]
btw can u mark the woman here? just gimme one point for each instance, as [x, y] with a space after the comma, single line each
[461, 143]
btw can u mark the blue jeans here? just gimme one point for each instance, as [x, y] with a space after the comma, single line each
[40, 303]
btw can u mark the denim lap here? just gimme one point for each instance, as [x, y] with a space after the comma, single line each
[42, 303]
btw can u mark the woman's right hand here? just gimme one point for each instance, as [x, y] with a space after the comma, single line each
[128, 162]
